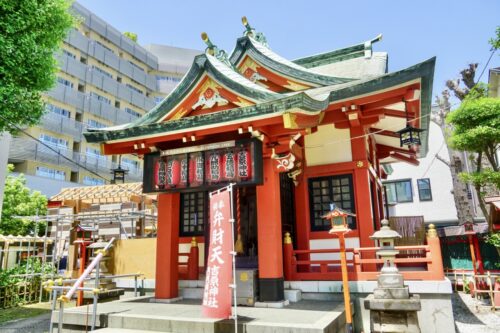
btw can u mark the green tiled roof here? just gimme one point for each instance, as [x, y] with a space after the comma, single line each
[269, 59]
[343, 54]
[224, 75]
[313, 101]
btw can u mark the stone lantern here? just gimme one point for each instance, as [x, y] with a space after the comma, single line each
[384, 238]
[392, 308]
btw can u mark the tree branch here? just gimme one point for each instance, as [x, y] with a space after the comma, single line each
[443, 160]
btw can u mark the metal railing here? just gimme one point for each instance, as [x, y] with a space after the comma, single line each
[59, 124]
[67, 292]
[23, 149]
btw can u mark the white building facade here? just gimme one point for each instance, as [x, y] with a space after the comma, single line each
[424, 190]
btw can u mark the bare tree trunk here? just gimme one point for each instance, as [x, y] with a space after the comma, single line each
[465, 211]
[479, 164]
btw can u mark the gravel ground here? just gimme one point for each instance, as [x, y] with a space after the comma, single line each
[469, 319]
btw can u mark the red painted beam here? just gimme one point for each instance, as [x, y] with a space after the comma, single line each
[378, 131]
[403, 158]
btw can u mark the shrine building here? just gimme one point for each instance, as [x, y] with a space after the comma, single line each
[294, 136]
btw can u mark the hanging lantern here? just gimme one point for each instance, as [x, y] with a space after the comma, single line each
[409, 136]
[196, 167]
[214, 167]
[184, 171]
[229, 165]
[173, 172]
[159, 173]
[244, 164]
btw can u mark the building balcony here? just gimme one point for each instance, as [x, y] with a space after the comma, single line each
[24, 149]
[84, 102]
[56, 123]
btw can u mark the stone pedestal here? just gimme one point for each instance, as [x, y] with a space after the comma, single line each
[392, 309]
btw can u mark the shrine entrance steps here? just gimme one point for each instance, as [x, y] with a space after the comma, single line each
[139, 315]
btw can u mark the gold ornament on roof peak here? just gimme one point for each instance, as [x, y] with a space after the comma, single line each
[250, 32]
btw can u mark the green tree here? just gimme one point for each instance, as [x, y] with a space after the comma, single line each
[476, 129]
[21, 201]
[30, 33]
[131, 35]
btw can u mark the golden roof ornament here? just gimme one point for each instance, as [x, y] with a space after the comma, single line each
[213, 50]
[251, 32]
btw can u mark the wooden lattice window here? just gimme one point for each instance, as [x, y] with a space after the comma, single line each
[193, 213]
[326, 190]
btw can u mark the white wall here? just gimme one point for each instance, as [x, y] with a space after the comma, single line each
[442, 207]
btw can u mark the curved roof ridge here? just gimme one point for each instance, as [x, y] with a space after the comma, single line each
[281, 65]
[236, 76]
[345, 53]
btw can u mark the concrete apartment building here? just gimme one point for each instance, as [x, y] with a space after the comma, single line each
[105, 79]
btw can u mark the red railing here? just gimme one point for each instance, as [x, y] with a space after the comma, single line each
[418, 262]
[189, 270]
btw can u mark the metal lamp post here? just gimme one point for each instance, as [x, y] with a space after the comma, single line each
[339, 227]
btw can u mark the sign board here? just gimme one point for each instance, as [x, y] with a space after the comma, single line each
[217, 292]
[204, 167]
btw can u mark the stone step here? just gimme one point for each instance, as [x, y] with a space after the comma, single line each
[191, 293]
[120, 330]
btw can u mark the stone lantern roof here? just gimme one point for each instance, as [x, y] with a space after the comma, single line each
[385, 232]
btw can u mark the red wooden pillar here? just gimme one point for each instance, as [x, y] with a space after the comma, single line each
[167, 246]
[362, 194]
[269, 236]
[479, 258]
[302, 232]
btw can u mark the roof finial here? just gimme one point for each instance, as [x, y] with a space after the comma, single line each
[250, 32]
[368, 45]
[213, 50]
[210, 46]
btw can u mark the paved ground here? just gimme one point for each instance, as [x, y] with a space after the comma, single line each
[469, 319]
[39, 324]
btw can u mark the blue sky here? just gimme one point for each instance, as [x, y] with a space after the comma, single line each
[456, 32]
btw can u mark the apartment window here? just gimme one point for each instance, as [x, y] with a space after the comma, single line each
[158, 99]
[87, 180]
[50, 173]
[100, 97]
[168, 78]
[134, 88]
[130, 164]
[96, 153]
[65, 82]
[60, 111]
[69, 54]
[102, 71]
[132, 112]
[53, 141]
[399, 191]
[193, 213]
[424, 189]
[326, 190]
[95, 124]
[136, 66]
